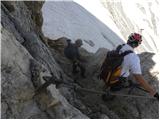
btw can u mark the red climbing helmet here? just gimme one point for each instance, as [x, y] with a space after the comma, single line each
[135, 37]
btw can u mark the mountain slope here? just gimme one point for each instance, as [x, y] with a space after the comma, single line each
[30, 61]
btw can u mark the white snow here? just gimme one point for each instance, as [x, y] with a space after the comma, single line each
[145, 14]
[71, 20]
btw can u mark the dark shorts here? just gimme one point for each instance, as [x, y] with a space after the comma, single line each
[119, 85]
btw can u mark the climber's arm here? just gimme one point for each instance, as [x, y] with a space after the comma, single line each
[139, 78]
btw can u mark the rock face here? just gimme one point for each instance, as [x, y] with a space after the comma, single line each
[119, 107]
[74, 26]
[17, 87]
[30, 61]
[21, 44]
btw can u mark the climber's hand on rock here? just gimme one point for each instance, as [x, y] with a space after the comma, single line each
[156, 96]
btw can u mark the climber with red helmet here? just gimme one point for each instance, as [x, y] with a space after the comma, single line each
[131, 64]
[134, 40]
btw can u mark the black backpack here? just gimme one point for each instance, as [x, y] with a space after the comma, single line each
[71, 51]
[111, 67]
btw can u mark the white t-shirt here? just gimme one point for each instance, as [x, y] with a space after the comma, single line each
[131, 62]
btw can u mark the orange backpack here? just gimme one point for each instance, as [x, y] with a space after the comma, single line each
[111, 67]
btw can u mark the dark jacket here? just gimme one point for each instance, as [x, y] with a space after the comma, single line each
[72, 52]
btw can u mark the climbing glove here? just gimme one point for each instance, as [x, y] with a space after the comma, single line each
[156, 96]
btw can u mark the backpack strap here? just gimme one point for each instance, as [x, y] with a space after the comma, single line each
[119, 47]
[126, 52]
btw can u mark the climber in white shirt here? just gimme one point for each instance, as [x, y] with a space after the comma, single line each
[131, 63]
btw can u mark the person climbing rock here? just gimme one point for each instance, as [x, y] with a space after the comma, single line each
[131, 64]
[72, 53]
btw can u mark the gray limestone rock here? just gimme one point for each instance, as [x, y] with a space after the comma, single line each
[17, 88]
[18, 84]
[26, 60]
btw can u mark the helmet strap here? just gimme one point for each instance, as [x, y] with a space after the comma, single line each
[133, 44]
